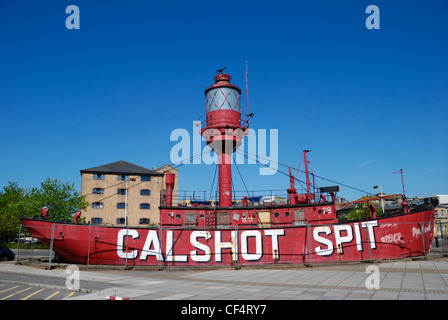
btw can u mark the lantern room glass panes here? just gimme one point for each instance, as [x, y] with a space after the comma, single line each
[223, 98]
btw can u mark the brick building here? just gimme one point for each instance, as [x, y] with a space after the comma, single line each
[121, 189]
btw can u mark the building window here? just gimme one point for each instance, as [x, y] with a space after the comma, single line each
[98, 176]
[123, 177]
[145, 192]
[144, 206]
[97, 205]
[146, 178]
[97, 220]
[121, 205]
[98, 190]
[121, 221]
[121, 191]
[144, 221]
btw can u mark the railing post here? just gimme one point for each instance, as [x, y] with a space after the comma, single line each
[236, 247]
[32, 247]
[160, 247]
[368, 243]
[18, 243]
[444, 237]
[127, 237]
[310, 249]
[51, 246]
[422, 228]
[88, 248]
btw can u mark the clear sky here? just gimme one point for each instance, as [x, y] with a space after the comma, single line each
[366, 102]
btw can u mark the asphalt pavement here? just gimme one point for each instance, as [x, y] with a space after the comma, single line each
[408, 279]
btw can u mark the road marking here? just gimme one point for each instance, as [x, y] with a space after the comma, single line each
[8, 289]
[16, 293]
[32, 294]
[69, 295]
[49, 297]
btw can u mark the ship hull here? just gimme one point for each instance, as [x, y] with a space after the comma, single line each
[398, 236]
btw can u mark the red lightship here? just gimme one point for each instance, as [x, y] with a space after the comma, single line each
[305, 228]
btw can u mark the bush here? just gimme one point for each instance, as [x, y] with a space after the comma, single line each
[62, 200]
[359, 212]
[26, 245]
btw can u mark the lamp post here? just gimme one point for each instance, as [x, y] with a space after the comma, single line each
[126, 202]
[126, 218]
[381, 193]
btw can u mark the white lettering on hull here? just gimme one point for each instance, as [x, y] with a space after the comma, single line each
[343, 235]
[247, 244]
[152, 240]
[121, 246]
[202, 252]
[195, 256]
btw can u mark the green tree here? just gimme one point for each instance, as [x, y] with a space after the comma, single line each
[359, 211]
[15, 202]
[62, 200]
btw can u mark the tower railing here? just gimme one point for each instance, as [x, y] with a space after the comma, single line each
[244, 121]
[186, 198]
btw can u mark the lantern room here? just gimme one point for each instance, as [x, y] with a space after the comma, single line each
[222, 103]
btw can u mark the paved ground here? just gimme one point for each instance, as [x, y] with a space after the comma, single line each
[425, 279]
[16, 291]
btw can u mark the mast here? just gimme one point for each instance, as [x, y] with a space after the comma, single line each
[308, 182]
[247, 91]
[224, 129]
[402, 180]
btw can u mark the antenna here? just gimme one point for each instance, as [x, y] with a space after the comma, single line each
[247, 92]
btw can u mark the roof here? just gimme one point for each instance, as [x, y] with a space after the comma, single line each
[443, 198]
[166, 167]
[122, 167]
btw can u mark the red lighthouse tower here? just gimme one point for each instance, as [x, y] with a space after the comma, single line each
[224, 129]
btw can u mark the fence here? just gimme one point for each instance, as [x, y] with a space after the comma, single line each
[43, 253]
[235, 245]
[441, 236]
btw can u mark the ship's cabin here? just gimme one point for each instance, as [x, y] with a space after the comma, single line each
[262, 209]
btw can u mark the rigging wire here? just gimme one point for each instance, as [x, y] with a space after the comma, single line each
[182, 162]
[88, 194]
[115, 194]
[244, 183]
[214, 177]
[189, 159]
[256, 158]
[245, 153]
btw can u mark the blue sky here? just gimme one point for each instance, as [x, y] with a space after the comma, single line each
[366, 102]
